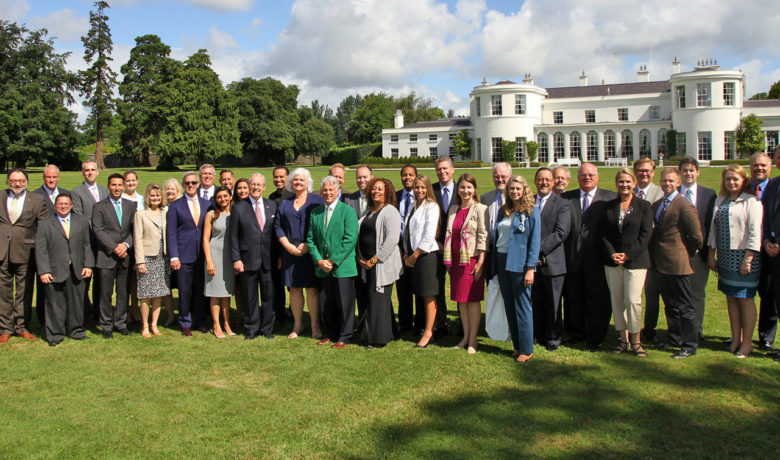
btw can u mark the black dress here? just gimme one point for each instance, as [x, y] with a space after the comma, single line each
[376, 326]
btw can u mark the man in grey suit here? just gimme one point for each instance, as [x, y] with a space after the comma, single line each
[84, 196]
[494, 199]
[555, 214]
[65, 259]
[112, 223]
[49, 191]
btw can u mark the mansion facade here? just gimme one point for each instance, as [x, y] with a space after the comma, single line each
[597, 122]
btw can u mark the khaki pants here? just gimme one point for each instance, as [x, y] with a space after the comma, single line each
[625, 290]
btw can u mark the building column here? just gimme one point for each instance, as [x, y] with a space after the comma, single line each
[566, 145]
[600, 135]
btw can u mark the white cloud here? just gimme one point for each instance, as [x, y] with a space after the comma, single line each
[63, 24]
[256, 23]
[219, 40]
[221, 5]
[13, 10]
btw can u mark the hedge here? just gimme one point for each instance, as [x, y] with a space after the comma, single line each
[740, 161]
[352, 154]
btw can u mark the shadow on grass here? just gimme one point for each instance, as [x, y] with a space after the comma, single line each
[560, 409]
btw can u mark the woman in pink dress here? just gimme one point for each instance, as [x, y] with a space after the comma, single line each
[464, 256]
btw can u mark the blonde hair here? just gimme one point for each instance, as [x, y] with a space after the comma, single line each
[627, 172]
[429, 196]
[155, 187]
[176, 184]
[525, 204]
[741, 172]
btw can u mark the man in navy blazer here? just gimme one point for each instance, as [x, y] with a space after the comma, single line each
[184, 232]
[768, 313]
[251, 233]
[587, 305]
[555, 215]
[445, 171]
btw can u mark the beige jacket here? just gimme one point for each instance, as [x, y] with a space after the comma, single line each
[473, 234]
[147, 235]
[745, 218]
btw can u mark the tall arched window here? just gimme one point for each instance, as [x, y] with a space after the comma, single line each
[609, 144]
[627, 144]
[558, 146]
[575, 149]
[645, 151]
[661, 140]
[541, 139]
[593, 146]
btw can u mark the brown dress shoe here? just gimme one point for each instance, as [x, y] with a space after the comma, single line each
[338, 345]
[186, 332]
[324, 341]
[5, 338]
[27, 335]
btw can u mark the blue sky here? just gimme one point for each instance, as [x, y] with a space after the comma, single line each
[440, 49]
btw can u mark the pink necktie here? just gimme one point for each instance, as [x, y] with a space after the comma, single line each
[259, 214]
[95, 193]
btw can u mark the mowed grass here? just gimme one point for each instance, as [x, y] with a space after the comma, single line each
[201, 397]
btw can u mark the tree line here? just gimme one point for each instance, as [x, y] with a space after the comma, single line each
[158, 105]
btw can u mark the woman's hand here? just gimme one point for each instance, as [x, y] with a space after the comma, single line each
[744, 267]
[292, 250]
[141, 268]
[303, 248]
[618, 258]
[210, 268]
[477, 270]
[410, 260]
[529, 278]
[711, 262]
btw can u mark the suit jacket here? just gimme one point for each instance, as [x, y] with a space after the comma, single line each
[523, 250]
[278, 196]
[705, 204]
[582, 243]
[55, 249]
[555, 227]
[147, 234]
[49, 205]
[654, 193]
[353, 200]
[248, 243]
[17, 239]
[184, 238]
[109, 232]
[337, 243]
[771, 203]
[444, 212]
[83, 201]
[677, 238]
[633, 238]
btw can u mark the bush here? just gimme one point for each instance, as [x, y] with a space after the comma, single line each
[741, 161]
[673, 161]
[352, 154]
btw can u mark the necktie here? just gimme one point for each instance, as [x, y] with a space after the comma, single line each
[95, 193]
[499, 202]
[758, 191]
[689, 195]
[66, 227]
[585, 202]
[362, 204]
[640, 194]
[327, 217]
[205, 194]
[661, 214]
[53, 196]
[259, 214]
[445, 198]
[407, 208]
[195, 210]
[118, 209]
[14, 214]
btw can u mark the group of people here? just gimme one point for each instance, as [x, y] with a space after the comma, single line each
[548, 263]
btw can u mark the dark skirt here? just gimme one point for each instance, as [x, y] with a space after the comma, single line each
[423, 276]
[377, 325]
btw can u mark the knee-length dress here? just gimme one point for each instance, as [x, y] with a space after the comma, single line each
[294, 224]
[222, 284]
[730, 281]
[463, 286]
[156, 282]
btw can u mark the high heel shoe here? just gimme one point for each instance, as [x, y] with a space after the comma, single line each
[145, 332]
[472, 350]
[742, 355]
[430, 339]
[155, 331]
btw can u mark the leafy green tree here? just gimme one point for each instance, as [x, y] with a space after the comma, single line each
[322, 112]
[774, 91]
[532, 147]
[98, 81]
[508, 150]
[417, 109]
[450, 113]
[759, 96]
[314, 137]
[201, 119]
[750, 138]
[462, 144]
[671, 144]
[148, 70]
[375, 114]
[35, 125]
[268, 118]
[344, 113]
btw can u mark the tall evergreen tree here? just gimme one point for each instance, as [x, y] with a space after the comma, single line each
[98, 81]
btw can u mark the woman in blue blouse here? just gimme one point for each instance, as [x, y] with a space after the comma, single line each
[515, 256]
[292, 227]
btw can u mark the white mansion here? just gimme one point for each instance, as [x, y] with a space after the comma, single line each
[597, 122]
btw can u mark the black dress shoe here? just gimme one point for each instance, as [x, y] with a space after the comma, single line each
[250, 336]
[764, 345]
[54, 344]
[125, 332]
[108, 335]
[551, 347]
[682, 354]
[203, 329]
[268, 336]
[80, 338]
[727, 341]
[595, 346]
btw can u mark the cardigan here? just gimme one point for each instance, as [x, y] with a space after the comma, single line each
[474, 224]
[745, 219]
[388, 232]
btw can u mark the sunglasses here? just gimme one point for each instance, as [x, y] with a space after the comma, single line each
[191, 182]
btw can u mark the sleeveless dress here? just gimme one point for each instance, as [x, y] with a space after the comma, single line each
[223, 282]
[157, 280]
[730, 281]
[463, 286]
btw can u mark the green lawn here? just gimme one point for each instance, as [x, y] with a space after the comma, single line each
[172, 397]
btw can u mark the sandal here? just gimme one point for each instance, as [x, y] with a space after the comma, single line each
[638, 350]
[155, 331]
[145, 333]
[622, 347]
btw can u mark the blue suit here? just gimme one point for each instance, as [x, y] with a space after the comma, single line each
[184, 241]
[510, 267]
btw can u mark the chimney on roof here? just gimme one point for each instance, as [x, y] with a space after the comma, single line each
[528, 80]
[643, 74]
[583, 79]
[484, 81]
[675, 66]
[399, 119]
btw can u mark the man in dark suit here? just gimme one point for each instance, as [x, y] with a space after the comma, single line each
[251, 233]
[83, 197]
[404, 199]
[760, 171]
[338, 171]
[112, 222]
[444, 190]
[555, 215]
[184, 232]
[207, 189]
[49, 191]
[283, 315]
[359, 202]
[227, 179]
[561, 178]
[494, 199]
[676, 238]
[703, 199]
[768, 313]
[587, 307]
[20, 213]
[64, 259]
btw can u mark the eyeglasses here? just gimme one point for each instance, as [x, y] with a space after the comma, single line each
[192, 182]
